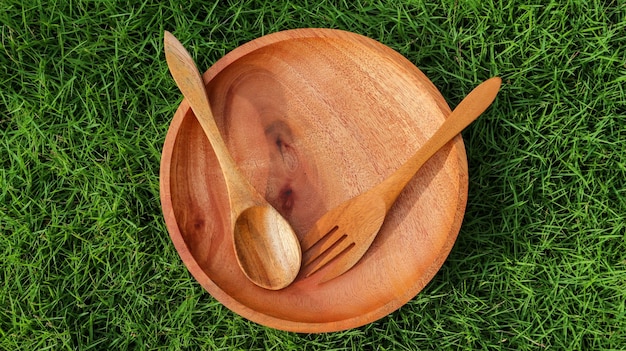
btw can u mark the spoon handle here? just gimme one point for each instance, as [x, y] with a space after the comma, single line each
[472, 106]
[190, 83]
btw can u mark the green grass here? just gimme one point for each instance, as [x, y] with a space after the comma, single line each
[86, 99]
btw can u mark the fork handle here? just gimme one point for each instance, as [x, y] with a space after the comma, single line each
[472, 106]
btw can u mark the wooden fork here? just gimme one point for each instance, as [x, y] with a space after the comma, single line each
[344, 234]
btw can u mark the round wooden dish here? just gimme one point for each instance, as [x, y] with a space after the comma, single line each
[312, 118]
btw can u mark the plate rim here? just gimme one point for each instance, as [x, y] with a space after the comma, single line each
[205, 280]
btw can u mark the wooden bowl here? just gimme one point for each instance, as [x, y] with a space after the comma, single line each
[313, 117]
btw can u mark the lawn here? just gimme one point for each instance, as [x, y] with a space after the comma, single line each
[86, 100]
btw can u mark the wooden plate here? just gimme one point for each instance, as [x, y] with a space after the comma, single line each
[312, 118]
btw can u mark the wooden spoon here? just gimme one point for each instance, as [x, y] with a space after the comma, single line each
[344, 234]
[266, 246]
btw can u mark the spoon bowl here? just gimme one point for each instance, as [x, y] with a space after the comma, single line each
[264, 260]
[266, 246]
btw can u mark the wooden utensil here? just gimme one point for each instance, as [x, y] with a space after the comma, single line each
[313, 117]
[344, 234]
[266, 247]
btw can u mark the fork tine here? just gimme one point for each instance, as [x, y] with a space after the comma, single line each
[314, 236]
[321, 229]
[343, 264]
[327, 241]
[337, 249]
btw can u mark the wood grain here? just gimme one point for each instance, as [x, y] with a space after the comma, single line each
[313, 117]
[343, 234]
[266, 246]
